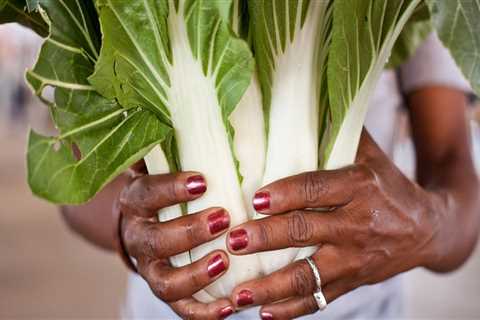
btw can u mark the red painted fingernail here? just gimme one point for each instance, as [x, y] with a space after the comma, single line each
[215, 266]
[225, 312]
[196, 185]
[238, 239]
[244, 297]
[261, 201]
[266, 316]
[218, 221]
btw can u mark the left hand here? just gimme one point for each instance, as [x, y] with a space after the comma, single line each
[379, 224]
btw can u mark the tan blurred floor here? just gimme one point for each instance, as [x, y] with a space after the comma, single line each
[46, 272]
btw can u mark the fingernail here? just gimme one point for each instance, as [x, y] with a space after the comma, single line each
[225, 312]
[196, 185]
[218, 221]
[266, 316]
[238, 239]
[244, 297]
[215, 266]
[261, 201]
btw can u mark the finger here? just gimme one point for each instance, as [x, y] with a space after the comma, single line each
[192, 309]
[165, 239]
[296, 279]
[289, 309]
[172, 284]
[294, 229]
[149, 193]
[299, 306]
[316, 189]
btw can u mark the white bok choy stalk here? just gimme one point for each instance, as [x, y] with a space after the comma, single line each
[248, 122]
[363, 35]
[249, 141]
[291, 44]
[182, 61]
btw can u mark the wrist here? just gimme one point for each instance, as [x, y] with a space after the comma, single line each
[448, 233]
[435, 244]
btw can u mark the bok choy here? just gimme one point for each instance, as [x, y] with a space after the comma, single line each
[244, 91]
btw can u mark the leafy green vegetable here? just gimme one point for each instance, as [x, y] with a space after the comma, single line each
[109, 137]
[458, 26]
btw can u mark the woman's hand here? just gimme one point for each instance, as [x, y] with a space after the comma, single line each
[379, 224]
[152, 242]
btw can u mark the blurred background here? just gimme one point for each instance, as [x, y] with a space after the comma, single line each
[48, 272]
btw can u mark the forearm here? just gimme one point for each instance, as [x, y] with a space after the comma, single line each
[94, 220]
[458, 215]
[445, 169]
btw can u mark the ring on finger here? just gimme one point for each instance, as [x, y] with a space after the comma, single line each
[318, 294]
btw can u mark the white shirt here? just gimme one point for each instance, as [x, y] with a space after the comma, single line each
[430, 65]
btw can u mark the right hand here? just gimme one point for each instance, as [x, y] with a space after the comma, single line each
[152, 242]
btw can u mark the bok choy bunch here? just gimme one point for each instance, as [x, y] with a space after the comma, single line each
[244, 91]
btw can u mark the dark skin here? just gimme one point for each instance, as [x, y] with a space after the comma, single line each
[380, 223]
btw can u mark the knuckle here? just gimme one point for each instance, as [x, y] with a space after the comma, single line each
[141, 188]
[299, 229]
[129, 238]
[152, 242]
[367, 175]
[171, 190]
[310, 305]
[134, 198]
[164, 289]
[315, 187]
[302, 281]
[195, 281]
[124, 202]
[265, 231]
[190, 313]
[340, 230]
[193, 232]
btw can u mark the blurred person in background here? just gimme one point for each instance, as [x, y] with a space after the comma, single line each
[19, 101]
[382, 223]
[18, 49]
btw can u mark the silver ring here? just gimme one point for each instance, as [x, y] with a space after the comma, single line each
[318, 294]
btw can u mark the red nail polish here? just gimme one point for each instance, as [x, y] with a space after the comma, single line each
[218, 221]
[225, 312]
[244, 297]
[238, 239]
[266, 316]
[261, 201]
[215, 266]
[196, 185]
